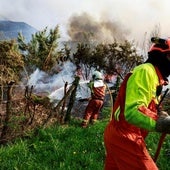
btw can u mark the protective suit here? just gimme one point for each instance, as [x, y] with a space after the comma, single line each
[95, 104]
[135, 114]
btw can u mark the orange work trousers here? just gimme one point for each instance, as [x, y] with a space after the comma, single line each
[126, 149]
[92, 110]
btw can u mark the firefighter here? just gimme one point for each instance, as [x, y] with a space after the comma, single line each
[95, 104]
[135, 112]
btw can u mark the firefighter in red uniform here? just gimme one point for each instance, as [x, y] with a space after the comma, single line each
[136, 113]
[95, 104]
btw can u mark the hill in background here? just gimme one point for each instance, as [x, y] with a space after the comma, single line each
[10, 29]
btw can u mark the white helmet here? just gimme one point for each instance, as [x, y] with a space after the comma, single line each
[97, 75]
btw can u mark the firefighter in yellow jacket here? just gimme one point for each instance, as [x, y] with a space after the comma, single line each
[136, 113]
[95, 104]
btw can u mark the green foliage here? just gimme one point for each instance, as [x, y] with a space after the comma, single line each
[116, 58]
[41, 52]
[11, 62]
[152, 144]
[106, 111]
[82, 57]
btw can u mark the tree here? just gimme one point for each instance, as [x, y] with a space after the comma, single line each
[83, 58]
[116, 58]
[41, 52]
[11, 63]
[126, 58]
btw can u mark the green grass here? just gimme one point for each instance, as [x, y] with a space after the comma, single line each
[68, 147]
[57, 148]
[152, 143]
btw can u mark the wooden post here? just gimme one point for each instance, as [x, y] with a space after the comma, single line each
[72, 99]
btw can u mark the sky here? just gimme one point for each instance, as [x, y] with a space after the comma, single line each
[135, 19]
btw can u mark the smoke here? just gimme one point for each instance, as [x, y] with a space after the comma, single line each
[53, 86]
[42, 82]
[138, 16]
[82, 92]
[84, 27]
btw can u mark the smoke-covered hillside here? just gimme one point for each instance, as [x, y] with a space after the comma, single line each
[10, 30]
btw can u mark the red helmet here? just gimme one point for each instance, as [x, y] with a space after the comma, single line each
[159, 44]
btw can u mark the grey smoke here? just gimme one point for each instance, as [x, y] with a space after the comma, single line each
[85, 27]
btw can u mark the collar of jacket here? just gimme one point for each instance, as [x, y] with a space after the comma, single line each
[162, 81]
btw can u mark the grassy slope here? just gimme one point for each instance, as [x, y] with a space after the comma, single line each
[67, 148]
[59, 148]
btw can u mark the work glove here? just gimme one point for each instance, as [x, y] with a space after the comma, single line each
[163, 122]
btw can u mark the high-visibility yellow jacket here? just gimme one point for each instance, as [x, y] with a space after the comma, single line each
[138, 97]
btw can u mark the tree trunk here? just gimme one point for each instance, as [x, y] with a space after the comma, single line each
[7, 116]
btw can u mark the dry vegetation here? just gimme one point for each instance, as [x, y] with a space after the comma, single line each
[26, 111]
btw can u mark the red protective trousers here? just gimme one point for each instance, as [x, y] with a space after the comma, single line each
[92, 109]
[125, 148]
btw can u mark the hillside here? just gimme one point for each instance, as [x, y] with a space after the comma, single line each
[10, 30]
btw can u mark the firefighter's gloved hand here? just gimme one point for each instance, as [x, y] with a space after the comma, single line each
[163, 122]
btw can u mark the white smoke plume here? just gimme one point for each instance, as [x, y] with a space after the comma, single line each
[42, 82]
[53, 86]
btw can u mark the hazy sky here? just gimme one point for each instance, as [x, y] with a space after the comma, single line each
[138, 16]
